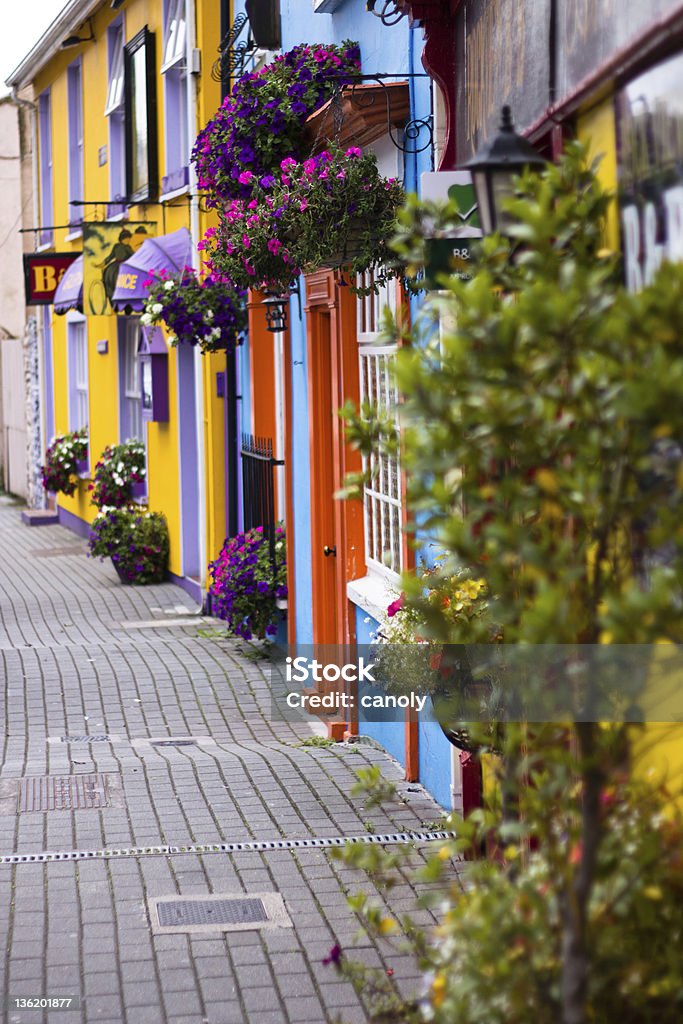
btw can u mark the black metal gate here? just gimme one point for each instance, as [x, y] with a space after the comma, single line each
[258, 487]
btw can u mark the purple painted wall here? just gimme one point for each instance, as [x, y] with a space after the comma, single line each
[45, 135]
[74, 89]
[189, 465]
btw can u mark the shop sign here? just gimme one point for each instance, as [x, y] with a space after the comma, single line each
[42, 274]
[451, 255]
[502, 57]
[649, 121]
[105, 247]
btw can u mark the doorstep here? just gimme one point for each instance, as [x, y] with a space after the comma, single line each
[40, 517]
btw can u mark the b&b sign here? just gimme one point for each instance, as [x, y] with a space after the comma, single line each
[42, 274]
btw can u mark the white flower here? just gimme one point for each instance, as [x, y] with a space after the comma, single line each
[118, 479]
[120, 467]
[173, 339]
[157, 308]
[146, 319]
[209, 314]
[169, 286]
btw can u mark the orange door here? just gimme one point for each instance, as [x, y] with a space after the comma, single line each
[336, 526]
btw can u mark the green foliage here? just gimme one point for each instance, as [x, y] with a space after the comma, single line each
[541, 410]
[372, 786]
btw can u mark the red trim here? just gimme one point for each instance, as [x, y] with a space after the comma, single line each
[437, 18]
[412, 747]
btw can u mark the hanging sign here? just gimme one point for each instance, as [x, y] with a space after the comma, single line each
[105, 247]
[42, 274]
[451, 255]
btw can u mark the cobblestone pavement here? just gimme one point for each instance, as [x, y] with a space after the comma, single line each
[83, 656]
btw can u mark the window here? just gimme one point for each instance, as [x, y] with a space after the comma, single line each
[174, 70]
[77, 342]
[382, 500]
[114, 110]
[130, 392]
[140, 118]
[45, 142]
[74, 88]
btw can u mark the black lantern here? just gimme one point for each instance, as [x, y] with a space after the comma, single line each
[494, 167]
[276, 312]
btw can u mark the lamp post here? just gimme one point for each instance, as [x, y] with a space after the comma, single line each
[495, 166]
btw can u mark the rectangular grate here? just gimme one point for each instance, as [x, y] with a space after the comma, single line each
[89, 738]
[62, 793]
[176, 913]
[220, 912]
[201, 849]
[173, 743]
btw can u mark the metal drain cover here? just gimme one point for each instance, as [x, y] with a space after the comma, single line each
[219, 913]
[173, 743]
[90, 738]
[59, 793]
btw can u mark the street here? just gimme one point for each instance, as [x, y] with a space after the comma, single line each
[114, 668]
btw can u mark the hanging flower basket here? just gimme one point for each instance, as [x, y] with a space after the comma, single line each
[332, 210]
[65, 459]
[358, 240]
[263, 120]
[209, 313]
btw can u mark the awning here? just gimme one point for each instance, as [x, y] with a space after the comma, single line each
[69, 294]
[167, 253]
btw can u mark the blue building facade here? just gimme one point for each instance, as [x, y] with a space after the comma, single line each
[329, 354]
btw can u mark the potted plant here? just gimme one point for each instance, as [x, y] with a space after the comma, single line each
[334, 209]
[64, 460]
[248, 579]
[137, 542]
[411, 655]
[263, 120]
[119, 475]
[208, 313]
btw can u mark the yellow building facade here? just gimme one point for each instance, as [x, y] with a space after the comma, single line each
[120, 92]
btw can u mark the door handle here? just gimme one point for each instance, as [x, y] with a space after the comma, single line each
[327, 551]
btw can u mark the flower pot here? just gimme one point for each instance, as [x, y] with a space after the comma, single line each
[121, 575]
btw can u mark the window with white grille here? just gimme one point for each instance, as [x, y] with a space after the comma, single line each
[382, 500]
[77, 335]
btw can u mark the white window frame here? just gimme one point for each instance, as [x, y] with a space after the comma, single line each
[75, 140]
[174, 72]
[175, 35]
[383, 510]
[115, 80]
[132, 388]
[115, 112]
[79, 392]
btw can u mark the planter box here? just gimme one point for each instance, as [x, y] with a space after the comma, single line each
[138, 491]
